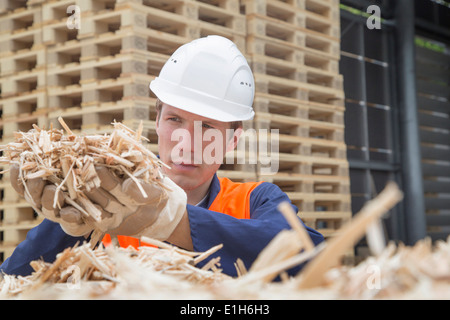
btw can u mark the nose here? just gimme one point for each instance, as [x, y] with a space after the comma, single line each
[188, 149]
[181, 152]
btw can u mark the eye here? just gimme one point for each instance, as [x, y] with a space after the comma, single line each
[175, 119]
[207, 126]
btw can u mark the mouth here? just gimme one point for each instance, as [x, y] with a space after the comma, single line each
[183, 166]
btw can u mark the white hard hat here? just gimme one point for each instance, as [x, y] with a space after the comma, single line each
[209, 77]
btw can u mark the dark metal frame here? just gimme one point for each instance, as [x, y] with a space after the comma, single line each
[432, 24]
[409, 122]
[407, 221]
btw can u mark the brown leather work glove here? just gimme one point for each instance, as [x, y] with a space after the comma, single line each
[40, 193]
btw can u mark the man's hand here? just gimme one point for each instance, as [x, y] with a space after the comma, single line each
[41, 196]
[125, 210]
[128, 212]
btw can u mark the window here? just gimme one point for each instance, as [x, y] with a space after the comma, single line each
[370, 118]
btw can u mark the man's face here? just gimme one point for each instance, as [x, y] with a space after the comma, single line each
[193, 146]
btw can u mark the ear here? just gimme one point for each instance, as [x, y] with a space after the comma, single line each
[158, 114]
[232, 143]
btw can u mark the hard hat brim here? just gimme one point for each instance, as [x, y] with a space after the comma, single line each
[199, 103]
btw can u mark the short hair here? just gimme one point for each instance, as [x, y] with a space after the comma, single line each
[159, 104]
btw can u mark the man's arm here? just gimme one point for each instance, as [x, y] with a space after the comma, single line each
[242, 238]
[44, 241]
[181, 236]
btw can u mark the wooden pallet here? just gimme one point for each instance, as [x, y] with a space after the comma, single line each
[16, 212]
[94, 92]
[24, 83]
[58, 33]
[21, 112]
[199, 19]
[275, 30]
[274, 48]
[23, 105]
[237, 175]
[111, 90]
[319, 131]
[327, 223]
[286, 33]
[13, 233]
[315, 22]
[325, 9]
[164, 31]
[321, 43]
[323, 200]
[314, 206]
[225, 13]
[8, 194]
[110, 21]
[36, 3]
[107, 67]
[293, 13]
[72, 53]
[56, 11]
[287, 12]
[94, 117]
[262, 64]
[20, 42]
[21, 123]
[20, 20]
[179, 6]
[98, 117]
[17, 219]
[298, 90]
[25, 61]
[153, 29]
[8, 6]
[296, 108]
[309, 165]
[311, 146]
[303, 145]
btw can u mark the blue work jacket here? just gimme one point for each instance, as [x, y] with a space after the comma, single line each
[241, 238]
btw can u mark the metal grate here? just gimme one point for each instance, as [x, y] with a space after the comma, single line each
[370, 118]
[433, 99]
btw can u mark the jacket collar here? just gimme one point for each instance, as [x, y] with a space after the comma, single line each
[214, 189]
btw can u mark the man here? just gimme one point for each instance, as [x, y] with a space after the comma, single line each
[205, 89]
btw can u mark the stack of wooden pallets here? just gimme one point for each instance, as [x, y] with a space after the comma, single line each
[100, 72]
[23, 102]
[294, 48]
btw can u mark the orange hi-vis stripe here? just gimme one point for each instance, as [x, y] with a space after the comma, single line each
[233, 199]
[125, 242]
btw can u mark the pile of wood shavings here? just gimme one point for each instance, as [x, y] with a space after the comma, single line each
[114, 272]
[69, 160]
[418, 272]
[395, 272]
[421, 271]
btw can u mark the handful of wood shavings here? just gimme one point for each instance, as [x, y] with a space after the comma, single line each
[69, 160]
